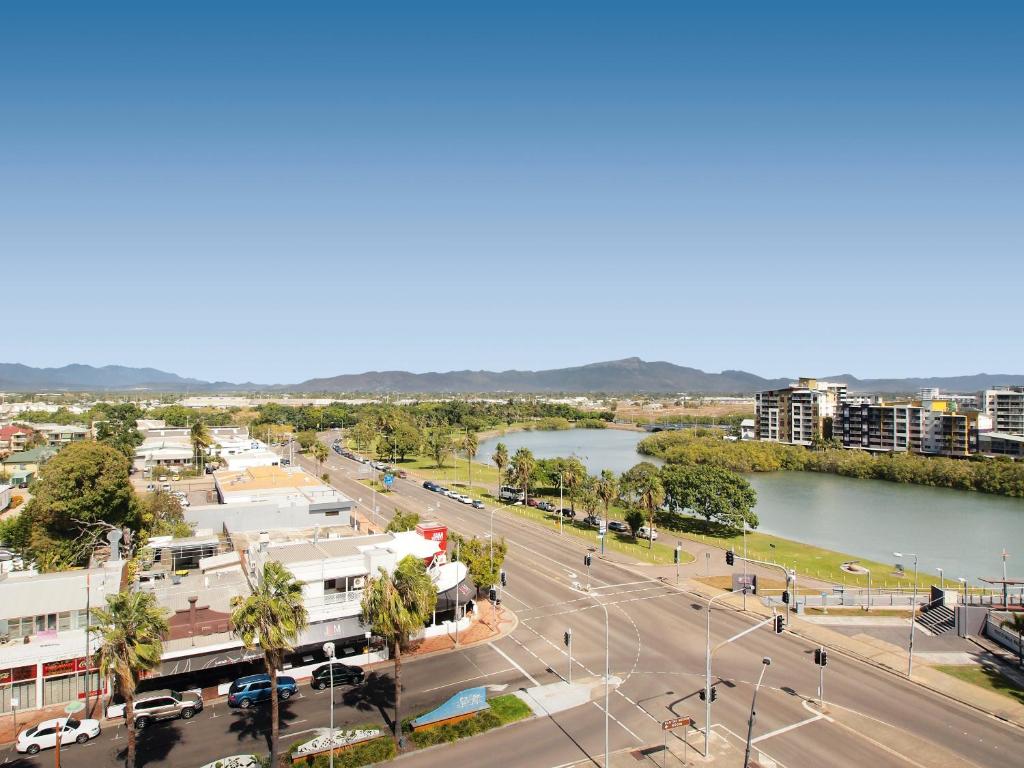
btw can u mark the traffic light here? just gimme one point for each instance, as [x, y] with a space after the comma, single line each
[714, 693]
[675, 556]
[492, 595]
[504, 578]
[567, 637]
[704, 694]
[730, 558]
[820, 657]
[586, 560]
[785, 596]
[778, 625]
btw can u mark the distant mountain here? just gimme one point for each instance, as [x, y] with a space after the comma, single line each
[615, 376]
[16, 377]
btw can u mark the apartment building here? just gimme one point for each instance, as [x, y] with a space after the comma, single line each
[1005, 405]
[799, 412]
[921, 426]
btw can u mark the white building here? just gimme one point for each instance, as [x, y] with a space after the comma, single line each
[1005, 405]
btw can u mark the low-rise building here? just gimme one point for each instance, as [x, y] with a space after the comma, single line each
[748, 429]
[22, 467]
[5, 496]
[14, 438]
[59, 435]
[1001, 444]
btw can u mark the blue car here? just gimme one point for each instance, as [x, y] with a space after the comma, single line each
[246, 691]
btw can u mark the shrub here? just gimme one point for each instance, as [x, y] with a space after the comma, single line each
[368, 753]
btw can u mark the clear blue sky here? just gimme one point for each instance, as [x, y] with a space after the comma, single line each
[270, 192]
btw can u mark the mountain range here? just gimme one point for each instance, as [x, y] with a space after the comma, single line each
[615, 376]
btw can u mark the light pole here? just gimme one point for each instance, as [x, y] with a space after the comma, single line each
[913, 614]
[329, 650]
[942, 583]
[963, 585]
[367, 636]
[607, 677]
[707, 672]
[561, 504]
[490, 540]
[766, 661]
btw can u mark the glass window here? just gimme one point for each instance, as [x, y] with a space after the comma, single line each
[51, 621]
[64, 621]
[40, 623]
[83, 619]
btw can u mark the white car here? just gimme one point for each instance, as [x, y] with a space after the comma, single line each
[465, 499]
[44, 735]
[643, 532]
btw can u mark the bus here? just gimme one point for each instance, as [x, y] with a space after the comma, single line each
[511, 494]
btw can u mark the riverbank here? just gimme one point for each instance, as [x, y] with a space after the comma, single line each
[1000, 476]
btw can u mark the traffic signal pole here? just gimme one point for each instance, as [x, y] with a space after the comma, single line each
[789, 575]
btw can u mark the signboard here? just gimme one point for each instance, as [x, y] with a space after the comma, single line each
[340, 738]
[65, 667]
[389, 479]
[465, 702]
[749, 580]
[18, 674]
[676, 722]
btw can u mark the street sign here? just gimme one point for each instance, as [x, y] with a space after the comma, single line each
[676, 722]
[389, 479]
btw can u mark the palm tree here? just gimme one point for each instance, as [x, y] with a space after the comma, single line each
[319, 451]
[394, 607]
[200, 437]
[521, 469]
[470, 445]
[500, 459]
[130, 630]
[573, 474]
[607, 488]
[642, 486]
[271, 619]
[1015, 623]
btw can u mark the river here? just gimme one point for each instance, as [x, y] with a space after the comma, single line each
[959, 531]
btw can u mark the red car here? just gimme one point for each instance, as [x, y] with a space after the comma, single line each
[532, 502]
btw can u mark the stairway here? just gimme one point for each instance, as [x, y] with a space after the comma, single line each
[937, 620]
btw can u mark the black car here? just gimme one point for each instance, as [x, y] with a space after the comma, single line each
[343, 675]
[429, 485]
[618, 526]
[566, 512]
[592, 520]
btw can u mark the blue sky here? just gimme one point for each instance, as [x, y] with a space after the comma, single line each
[272, 192]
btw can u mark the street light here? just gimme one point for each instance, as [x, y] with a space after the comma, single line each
[765, 662]
[942, 584]
[707, 671]
[913, 611]
[329, 650]
[963, 584]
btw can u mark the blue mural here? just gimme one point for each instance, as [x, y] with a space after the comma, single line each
[462, 703]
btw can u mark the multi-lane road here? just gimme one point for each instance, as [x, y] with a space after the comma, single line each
[657, 640]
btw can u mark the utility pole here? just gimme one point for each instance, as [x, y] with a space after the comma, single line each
[766, 661]
[568, 642]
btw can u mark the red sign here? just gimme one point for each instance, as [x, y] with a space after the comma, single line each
[24, 673]
[676, 722]
[434, 532]
[65, 667]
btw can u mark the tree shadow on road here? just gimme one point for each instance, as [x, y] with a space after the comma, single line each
[254, 723]
[376, 693]
[154, 743]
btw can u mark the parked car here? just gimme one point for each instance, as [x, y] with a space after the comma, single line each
[532, 503]
[618, 526]
[165, 705]
[400, 473]
[465, 499]
[566, 512]
[343, 675]
[477, 504]
[643, 532]
[593, 520]
[150, 487]
[253, 689]
[546, 506]
[163, 478]
[44, 735]
[429, 485]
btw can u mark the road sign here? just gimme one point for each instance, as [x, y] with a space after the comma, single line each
[676, 722]
[389, 479]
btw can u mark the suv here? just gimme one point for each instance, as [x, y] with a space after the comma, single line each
[592, 520]
[165, 705]
[246, 691]
[566, 512]
[343, 675]
[643, 532]
[546, 506]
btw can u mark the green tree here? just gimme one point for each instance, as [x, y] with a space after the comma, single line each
[405, 439]
[129, 629]
[607, 489]
[162, 515]
[403, 521]
[470, 445]
[307, 439]
[364, 434]
[483, 559]
[500, 459]
[439, 445]
[587, 493]
[521, 469]
[116, 426]
[1015, 623]
[641, 487]
[200, 438]
[716, 494]
[81, 493]
[319, 451]
[271, 619]
[573, 474]
[395, 606]
[634, 519]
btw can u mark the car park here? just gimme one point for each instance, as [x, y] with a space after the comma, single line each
[618, 526]
[477, 504]
[253, 689]
[44, 736]
[566, 512]
[343, 674]
[165, 705]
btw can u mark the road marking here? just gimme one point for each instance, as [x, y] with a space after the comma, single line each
[513, 662]
[466, 680]
[786, 729]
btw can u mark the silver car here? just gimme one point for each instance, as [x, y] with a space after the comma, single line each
[165, 705]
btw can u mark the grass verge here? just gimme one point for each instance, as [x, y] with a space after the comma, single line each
[503, 710]
[985, 677]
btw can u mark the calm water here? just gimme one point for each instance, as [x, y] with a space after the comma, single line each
[959, 531]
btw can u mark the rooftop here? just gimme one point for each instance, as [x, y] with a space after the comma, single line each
[32, 456]
[267, 478]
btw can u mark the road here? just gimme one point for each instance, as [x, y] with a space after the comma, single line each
[657, 650]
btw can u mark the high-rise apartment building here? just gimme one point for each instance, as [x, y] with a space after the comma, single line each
[921, 426]
[797, 413]
[1006, 407]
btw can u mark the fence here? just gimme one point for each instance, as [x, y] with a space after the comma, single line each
[994, 631]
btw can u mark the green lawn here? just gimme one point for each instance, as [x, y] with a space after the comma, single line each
[985, 677]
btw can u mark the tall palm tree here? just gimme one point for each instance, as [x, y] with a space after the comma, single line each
[1016, 624]
[271, 619]
[500, 459]
[130, 630]
[522, 468]
[319, 451]
[470, 445]
[607, 487]
[642, 486]
[573, 475]
[200, 437]
[395, 606]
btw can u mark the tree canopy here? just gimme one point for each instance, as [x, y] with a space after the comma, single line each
[714, 493]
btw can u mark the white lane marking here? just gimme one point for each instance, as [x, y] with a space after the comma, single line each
[786, 729]
[466, 680]
[513, 662]
[625, 727]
